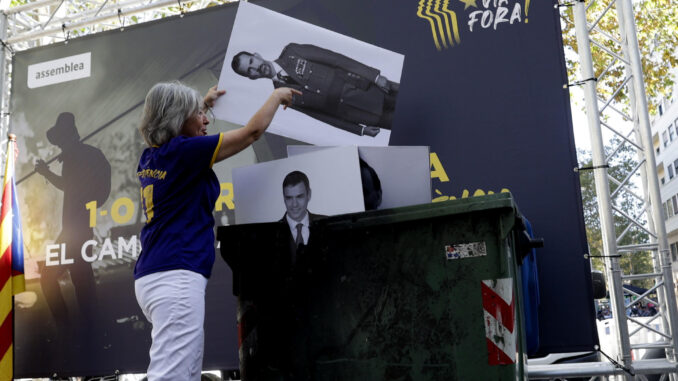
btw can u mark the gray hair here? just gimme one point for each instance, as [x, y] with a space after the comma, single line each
[168, 105]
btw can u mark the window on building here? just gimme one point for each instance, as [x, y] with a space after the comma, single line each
[661, 110]
[665, 211]
[670, 167]
[671, 134]
[675, 203]
[674, 251]
[670, 207]
[665, 138]
[662, 180]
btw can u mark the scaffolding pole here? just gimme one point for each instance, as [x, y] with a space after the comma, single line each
[602, 186]
[626, 368]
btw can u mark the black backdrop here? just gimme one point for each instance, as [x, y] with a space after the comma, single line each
[490, 104]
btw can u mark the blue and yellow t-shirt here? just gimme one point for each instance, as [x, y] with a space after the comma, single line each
[178, 193]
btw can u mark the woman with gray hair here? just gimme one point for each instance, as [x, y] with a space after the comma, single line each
[178, 191]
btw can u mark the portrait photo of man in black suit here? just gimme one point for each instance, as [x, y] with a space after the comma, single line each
[349, 87]
[299, 189]
[297, 194]
[336, 89]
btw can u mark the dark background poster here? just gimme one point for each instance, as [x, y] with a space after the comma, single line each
[488, 100]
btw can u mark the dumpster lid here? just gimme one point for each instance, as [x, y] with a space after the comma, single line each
[500, 201]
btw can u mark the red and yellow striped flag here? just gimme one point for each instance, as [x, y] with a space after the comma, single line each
[11, 262]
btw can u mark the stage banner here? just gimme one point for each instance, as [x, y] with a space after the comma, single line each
[482, 85]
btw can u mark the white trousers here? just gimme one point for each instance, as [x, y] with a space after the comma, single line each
[174, 302]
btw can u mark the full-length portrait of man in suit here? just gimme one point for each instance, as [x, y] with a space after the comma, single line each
[336, 89]
[282, 310]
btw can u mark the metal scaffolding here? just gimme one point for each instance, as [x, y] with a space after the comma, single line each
[634, 131]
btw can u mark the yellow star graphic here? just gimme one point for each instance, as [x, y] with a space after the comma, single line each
[469, 3]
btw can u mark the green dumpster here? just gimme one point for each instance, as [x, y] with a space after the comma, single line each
[428, 292]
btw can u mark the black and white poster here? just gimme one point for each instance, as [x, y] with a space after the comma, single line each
[349, 88]
[391, 176]
[325, 182]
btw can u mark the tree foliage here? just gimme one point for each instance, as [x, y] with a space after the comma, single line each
[631, 263]
[657, 31]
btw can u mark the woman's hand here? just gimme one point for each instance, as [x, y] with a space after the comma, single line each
[285, 95]
[212, 95]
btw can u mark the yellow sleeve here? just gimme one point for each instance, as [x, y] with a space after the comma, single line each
[216, 150]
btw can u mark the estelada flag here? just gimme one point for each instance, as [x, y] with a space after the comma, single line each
[11, 262]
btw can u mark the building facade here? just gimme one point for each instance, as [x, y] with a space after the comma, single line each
[665, 143]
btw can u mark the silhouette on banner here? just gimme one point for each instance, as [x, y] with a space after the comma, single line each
[85, 177]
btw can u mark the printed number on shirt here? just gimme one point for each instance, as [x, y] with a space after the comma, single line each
[147, 202]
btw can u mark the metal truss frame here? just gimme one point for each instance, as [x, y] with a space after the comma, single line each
[634, 132]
